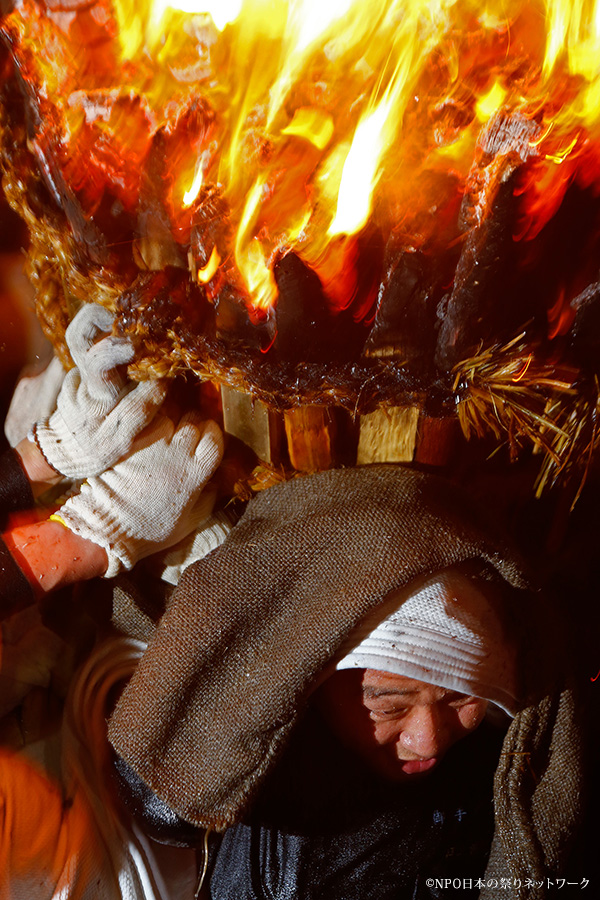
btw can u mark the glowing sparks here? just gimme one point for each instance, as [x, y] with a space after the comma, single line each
[542, 137]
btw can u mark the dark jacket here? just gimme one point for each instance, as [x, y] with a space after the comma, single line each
[326, 828]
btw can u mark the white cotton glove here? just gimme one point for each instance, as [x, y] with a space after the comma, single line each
[34, 397]
[209, 534]
[98, 411]
[152, 499]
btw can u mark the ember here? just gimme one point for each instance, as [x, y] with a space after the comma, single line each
[335, 204]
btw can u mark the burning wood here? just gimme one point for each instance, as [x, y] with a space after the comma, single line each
[484, 303]
[324, 205]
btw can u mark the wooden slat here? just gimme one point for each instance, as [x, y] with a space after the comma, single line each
[254, 423]
[311, 435]
[388, 435]
[436, 440]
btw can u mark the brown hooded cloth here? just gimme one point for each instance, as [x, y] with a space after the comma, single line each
[251, 629]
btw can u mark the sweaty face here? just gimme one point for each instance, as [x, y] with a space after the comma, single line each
[400, 726]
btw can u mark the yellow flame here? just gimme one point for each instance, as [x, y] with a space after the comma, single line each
[573, 30]
[337, 74]
[222, 12]
[378, 128]
[205, 274]
[194, 189]
[130, 28]
[337, 26]
[249, 215]
[314, 125]
[560, 156]
[489, 18]
[559, 15]
[590, 103]
[573, 41]
[249, 254]
[142, 26]
[322, 87]
[459, 151]
[312, 18]
[256, 36]
[360, 173]
[490, 102]
[259, 278]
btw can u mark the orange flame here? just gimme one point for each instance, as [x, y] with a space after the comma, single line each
[208, 272]
[316, 119]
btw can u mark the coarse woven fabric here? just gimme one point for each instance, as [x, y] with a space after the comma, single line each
[253, 627]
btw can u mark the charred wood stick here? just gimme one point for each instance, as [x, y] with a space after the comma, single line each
[483, 304]
[404, 326]
[303, 322]
[88, 237]
[584, 337]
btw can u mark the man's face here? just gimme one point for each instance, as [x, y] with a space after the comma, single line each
[400, 726]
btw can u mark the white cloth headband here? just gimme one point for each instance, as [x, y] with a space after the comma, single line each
[446, 633]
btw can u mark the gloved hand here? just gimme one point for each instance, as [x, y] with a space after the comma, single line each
[98, 411]
[170, 565]
[34, 396]
[152, 499]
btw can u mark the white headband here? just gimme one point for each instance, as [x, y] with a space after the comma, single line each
[445, 633]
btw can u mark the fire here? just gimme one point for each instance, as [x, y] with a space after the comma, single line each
[208, 272]
[312, 124]
[490, 102]
[316, 121]
[574, 34]
[194, 189]
[360, 173]
[249, 254]
[222, 12]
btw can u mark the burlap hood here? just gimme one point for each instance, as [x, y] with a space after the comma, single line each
[252, 627]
